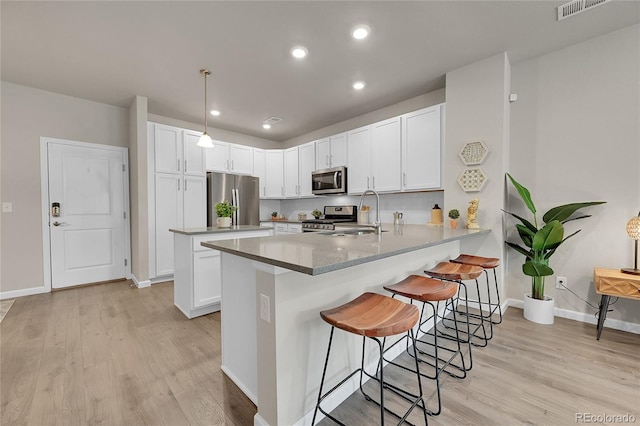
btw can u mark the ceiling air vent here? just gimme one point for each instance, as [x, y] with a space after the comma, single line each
[577, 6]
[273, 120]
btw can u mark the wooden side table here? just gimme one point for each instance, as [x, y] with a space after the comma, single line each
[612, 282]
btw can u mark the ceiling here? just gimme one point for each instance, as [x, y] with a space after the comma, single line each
[110, 51]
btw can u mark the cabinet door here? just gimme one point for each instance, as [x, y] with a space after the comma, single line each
[359, 170]
[291, 173]
[421, 149]
[260, 170]
[207, 278]
[338, 155]
[195, 202]
[217, 158]
[323, 154]
[306, 166]
[386, 156]
[281, 228]
[194, 162]
[274, 173]
[167, 148]
[168, 211]
[241, 159]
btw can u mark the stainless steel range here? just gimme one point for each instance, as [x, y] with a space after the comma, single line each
[332, 215]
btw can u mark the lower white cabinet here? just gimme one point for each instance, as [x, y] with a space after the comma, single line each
[197, 279]
[287, 228]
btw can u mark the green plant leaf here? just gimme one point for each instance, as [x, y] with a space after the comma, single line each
[524, 194]
[524, 221]
[536, 269]
[576, 218]
[562, 213]
[525, 235]
[526, 253]
[555, 246]
[548, 236]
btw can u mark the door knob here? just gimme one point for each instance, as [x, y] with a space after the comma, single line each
[56, 223]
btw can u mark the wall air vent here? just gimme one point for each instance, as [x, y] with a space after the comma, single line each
[577, 6]
[273, 120]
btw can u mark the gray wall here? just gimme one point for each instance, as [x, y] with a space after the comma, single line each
[28, 114]
[575, 137]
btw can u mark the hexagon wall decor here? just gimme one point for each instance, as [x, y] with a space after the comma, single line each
[472, 180]
[473, 153]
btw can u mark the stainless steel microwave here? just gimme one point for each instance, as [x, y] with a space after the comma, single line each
[329, 181]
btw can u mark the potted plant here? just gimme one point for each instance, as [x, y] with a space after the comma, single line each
[316, 213]
[454, 214]
[224, 211]
[274, 215]
[540, 243]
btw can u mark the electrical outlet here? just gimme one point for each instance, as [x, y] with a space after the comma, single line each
[561, 283]
[265, 307]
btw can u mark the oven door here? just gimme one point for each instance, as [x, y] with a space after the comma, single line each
[329, 181]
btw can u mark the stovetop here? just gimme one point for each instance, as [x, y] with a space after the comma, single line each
[332, 215]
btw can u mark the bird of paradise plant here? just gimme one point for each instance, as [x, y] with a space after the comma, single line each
[541, 243]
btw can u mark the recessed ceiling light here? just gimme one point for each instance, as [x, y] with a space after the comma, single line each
[360, 32]
[266, 126]
[215, 112]
[359, 85]
[299, 52]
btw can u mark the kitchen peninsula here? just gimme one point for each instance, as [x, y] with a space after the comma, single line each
[273, 340]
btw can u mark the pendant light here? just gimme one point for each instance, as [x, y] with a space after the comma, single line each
[205, 140]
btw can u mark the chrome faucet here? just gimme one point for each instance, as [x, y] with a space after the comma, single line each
[377, 225]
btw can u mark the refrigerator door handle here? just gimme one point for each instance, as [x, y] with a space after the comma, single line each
[236, 202]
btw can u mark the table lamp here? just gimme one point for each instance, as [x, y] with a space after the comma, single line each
[633, 229]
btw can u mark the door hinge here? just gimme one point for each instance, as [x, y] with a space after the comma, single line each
[124, 215]
[123, 167]
[125, 262]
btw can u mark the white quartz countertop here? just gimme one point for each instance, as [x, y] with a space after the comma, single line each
[316, 253]
[216, 230]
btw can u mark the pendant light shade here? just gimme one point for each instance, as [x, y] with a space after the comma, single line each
[205, 140]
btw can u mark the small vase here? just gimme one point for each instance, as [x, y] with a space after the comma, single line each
[223, 222]
[538, 311]
[453, 223]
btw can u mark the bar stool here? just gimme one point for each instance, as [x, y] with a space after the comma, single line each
[372, 316]
[458, 272]
[430, 291]
[485, 263]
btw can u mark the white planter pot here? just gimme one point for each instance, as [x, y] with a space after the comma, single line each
[223, 222]
[538, 311]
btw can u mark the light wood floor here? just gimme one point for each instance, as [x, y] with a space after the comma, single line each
[115, 355]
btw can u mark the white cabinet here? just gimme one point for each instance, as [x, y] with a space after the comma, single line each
[306, 166]
[287, 228]
[331, 152]
[260, 169]
[422, 149]
[386, 156]
[198, 277]
[274, 182]
[291, 188]
[230, 158]
[177, 191]
[299, 163]
[374, 157]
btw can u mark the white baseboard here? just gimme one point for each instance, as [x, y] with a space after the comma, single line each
[140, 284]
[616, 324]
[12, 294]
[259, 421]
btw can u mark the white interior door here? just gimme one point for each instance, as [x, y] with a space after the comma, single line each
[88, 237]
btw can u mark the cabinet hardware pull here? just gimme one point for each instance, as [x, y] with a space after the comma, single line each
[367, 182]
[404, 179]
[374, 182]
[328, 161]
[232, 168]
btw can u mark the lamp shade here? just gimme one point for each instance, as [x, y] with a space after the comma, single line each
[205, 141]
[633, 227]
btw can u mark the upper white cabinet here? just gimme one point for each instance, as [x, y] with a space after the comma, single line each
[306, 166]
[374, 157]
[167, 144]
[260, 169]
[422, 149]
[331, 151]
[291, 188]
[230, 158]
[274, 182]
[193, 155]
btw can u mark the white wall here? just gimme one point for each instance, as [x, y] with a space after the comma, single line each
[28, 114]
[575, 137]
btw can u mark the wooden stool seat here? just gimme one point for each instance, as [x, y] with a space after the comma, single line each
[373, 315]
[483, 262]
[424, 289]
[455, 271]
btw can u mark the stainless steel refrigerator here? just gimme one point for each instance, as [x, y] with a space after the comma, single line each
[241, 191]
